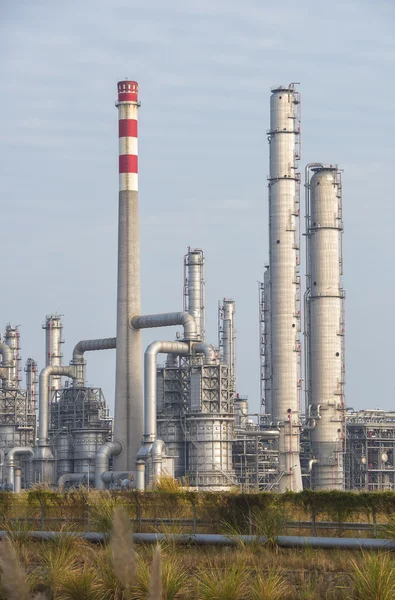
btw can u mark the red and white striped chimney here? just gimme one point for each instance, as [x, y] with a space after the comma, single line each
[128, 414]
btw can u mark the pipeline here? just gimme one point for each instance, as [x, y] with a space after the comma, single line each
[10, 462]
[103, 455]
[88, 346]
[166, 320]
[207, 539]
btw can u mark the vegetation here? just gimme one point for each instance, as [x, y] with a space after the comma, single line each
[68, 568]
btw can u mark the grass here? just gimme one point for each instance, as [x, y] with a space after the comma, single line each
[374, 578]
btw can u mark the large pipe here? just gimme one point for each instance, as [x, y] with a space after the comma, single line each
[116, 476]
[71, 478]
[284, 281]
[207, 539]
[206, 349]
[150, 364]
[43, 402]
[88, 346]
[103, 456]
[6, 362]
[22, 450]
[166, 320]
[194, 289]
[18, 480]
[128, 414]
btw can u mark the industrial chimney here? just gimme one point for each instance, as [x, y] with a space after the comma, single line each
[128, 414]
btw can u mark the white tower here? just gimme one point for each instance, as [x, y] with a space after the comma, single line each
[284, 204]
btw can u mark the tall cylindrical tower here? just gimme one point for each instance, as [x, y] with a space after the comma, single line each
[325, 327]
[11, 338]
[53, 327]
[128, 414]
[31, 384]
[227, 337]
[194, 289]
[284, 279]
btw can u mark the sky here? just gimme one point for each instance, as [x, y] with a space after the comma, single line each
[205, 70]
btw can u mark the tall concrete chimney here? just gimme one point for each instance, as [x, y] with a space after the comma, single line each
[128, 415]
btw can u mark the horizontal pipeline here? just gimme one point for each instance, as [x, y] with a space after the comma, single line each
[206, 539]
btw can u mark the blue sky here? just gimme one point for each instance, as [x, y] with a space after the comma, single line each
[205, 70]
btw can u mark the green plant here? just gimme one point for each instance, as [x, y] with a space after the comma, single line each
[174, 578]
[166, 484]
[227, 583]
[269, 586]
[79, 585]
[374, 578]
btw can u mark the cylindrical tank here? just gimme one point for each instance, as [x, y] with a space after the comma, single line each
[194, 293]
[128, 413]
[53, 355]
[171, 430]
[11, 338]
[210, 451]
[267, 374]
[64, 453]
[86, 442]
[326, 329]
[241, 412]
[284, 281]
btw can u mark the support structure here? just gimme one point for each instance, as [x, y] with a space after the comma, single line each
[324, 331]
[53, 327]
[128, 414]
[284, 207]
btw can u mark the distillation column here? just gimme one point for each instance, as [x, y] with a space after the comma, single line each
[53, 354]
[325, 327]
[284, 280]
[227, 338]
[11, 338]
[194, 289]
[128, 414]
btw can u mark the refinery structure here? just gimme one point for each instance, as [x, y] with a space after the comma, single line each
[178, 411]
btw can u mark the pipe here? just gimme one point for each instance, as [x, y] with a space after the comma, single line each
[6, 362]
[17, 480]
[312, 462]
[206, 349]
[140, 475]
[88, 346]
[158, 452]
[103, 455]
[150, 364]
[166, 320]
[71, 477]
[20, 450]
[207, 539]
[43, 403]
[116, 476]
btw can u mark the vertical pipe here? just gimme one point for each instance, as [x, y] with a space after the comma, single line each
[31, 384]
[284, 280]
[229, 338]
[128, 415]
[194, 289]
[53, 327]
[17, 480]
[11, 338]
[326, 328]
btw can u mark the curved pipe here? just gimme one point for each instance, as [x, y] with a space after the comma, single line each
[6, 355]
[158, 452]
[103, 456]
[43, 402]
[70, 477]
[116, 476]
[166, 320]
[150, 363]
[88, 346]
[18, 451]
[312, 462]
[206, 349]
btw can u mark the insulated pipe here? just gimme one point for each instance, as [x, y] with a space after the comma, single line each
[103, 455]
[18, 480]
[116, 476]
[158, 451]
[88, 346]
[6, 356]
[140, 475]
[43, 403]
[206, 349]
[71, 477]
[10, 461]
[166, 320]
[150, 364]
